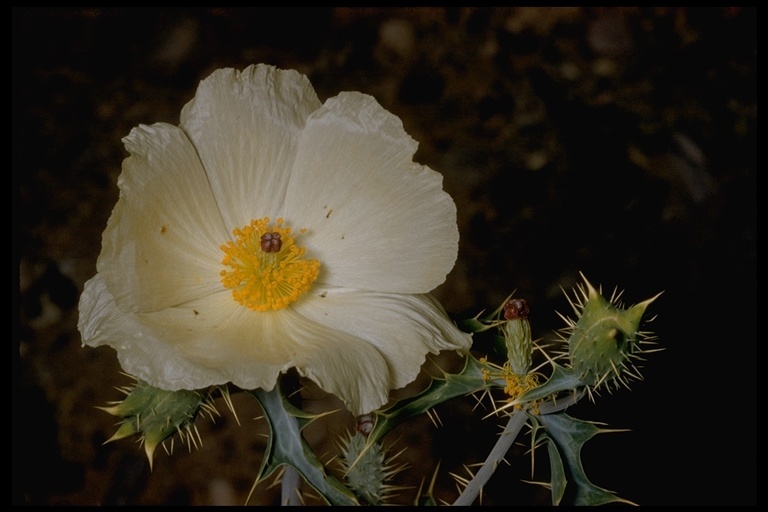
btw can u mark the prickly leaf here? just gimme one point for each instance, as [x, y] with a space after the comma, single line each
[569, 435]
[469, 380]
[286, 445]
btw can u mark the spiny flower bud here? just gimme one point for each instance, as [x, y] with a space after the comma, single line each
[517, 335]
[367, 469]
[156, 415]
[604, 341]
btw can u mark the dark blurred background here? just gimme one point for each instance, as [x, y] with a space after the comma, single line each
[620, 142]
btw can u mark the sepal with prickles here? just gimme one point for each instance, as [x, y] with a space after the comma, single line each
[156, 414]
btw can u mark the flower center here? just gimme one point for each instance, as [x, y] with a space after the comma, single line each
[266, 267]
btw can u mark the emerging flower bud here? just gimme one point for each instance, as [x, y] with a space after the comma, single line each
[367, 469]
[517, 335]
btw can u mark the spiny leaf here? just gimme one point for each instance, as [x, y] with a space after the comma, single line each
[469, 380]
[286, 445]
[558, 480]
[569, 435]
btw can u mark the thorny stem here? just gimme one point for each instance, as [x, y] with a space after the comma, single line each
[517, 420]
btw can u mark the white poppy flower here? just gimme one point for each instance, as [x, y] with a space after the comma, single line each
[270, 231]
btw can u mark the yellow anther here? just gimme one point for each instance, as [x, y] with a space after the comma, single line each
[267, 270]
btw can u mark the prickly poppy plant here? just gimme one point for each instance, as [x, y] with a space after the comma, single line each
[270, 232]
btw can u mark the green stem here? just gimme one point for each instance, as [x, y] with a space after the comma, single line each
[516, 421]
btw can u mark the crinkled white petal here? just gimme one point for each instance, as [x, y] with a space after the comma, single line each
[148, 351]
[404, 328]
[342, 364]
[245, 126]
[376, 219]
[214, 340]
[161, 245]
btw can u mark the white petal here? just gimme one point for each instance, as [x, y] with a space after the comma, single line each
[376, 220]
[403, 328]
[146, 349]
[245, 126]
[219, 333]
[214, 340]
[161, 245]
[342, 364]
[237, 339]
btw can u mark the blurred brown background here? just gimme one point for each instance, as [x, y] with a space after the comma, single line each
[619, 142]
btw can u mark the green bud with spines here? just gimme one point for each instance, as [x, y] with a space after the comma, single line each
[517, 336]
[367, 468]
[156, 414]
[604, 342]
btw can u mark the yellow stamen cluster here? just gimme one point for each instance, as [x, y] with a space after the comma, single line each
[515, 384]
[266, 276]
